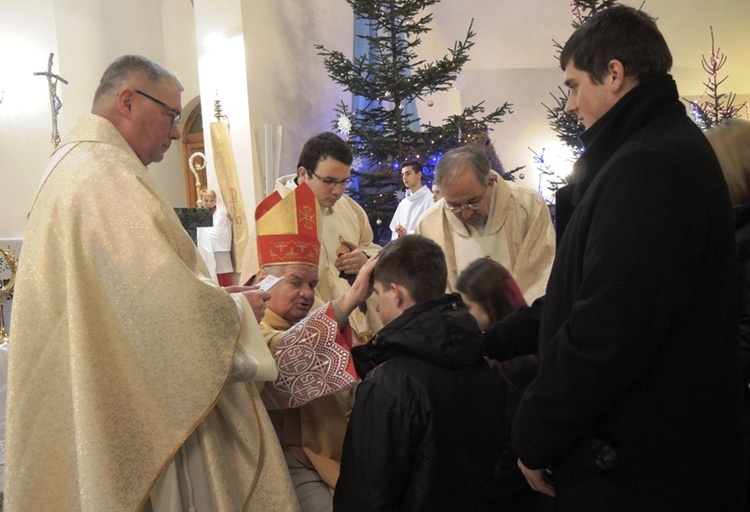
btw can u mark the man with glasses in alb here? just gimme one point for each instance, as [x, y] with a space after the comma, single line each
[482, 216]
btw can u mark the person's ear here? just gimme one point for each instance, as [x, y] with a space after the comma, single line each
[616, 78]
[302, 174]
[401, 296]
[618, 82]
[125, 102]
[256, 278]
[398, 293]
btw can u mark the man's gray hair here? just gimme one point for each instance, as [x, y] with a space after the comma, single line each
[125, 66]
[453, 162]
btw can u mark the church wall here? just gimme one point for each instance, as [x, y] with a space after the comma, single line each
[27, 36]
[180, 46]
[269, 80]
[288, 84]
[91, 34]
[85, 36]
[222, 76]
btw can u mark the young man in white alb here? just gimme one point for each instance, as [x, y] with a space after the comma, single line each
[417, 201]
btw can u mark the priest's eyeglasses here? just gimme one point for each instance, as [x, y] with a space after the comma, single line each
[460, 207]
[331, 182]
[176, 114]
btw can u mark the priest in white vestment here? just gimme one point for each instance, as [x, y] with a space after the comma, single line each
[483, 216]
[418, 200]
[132, 377]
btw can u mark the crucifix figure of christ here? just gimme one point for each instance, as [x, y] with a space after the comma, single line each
[54, 100]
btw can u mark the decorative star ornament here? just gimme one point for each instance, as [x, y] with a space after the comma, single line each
[344, 124]
[357, 163]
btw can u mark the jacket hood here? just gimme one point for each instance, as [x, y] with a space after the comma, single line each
[441, 331]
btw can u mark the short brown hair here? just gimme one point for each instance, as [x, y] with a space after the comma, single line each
[620, 33]
[416, 263]
[321, 146]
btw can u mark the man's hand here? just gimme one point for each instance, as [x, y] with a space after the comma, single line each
[351, 262]
[535, 478]
[255, 296]
[362, 287]
[400, 230]
[357, 294]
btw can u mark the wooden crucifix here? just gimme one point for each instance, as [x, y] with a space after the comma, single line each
[54, 100]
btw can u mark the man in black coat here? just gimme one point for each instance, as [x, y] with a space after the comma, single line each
[637, 402]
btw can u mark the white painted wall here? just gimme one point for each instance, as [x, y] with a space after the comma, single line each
[85, 36]
[27, 36]
[288, 84]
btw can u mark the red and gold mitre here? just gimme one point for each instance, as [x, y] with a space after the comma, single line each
[288, 228]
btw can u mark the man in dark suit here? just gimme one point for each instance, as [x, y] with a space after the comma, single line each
[637, 402]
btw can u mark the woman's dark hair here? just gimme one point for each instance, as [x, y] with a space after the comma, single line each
[416, 263]
[490, 285]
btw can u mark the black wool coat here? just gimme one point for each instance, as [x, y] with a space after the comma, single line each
[742, 238]
[637, 401]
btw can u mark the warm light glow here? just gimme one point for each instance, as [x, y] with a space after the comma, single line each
[559, 159]
[214, 41]
[219, 70]
[22, 92]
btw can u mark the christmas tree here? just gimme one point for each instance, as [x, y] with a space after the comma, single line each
[717, 106]
[566, 126]
[383, 133]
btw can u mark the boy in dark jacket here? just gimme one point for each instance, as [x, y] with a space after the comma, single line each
[424, 433]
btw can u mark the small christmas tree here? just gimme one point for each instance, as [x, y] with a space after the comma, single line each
[383, 133]
[717, 106]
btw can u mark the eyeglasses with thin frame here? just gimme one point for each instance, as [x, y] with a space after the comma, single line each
[331, 182]
[459, 208]
[176, 114]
